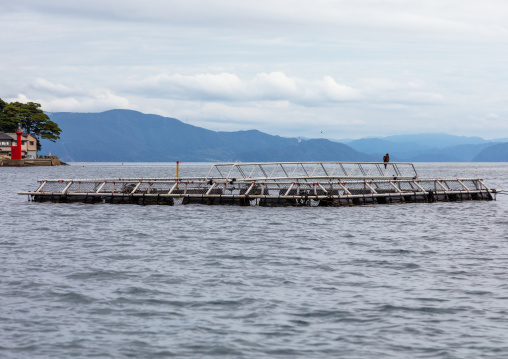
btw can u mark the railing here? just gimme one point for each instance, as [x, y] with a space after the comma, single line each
[264, 187]
[303, 182]
[275, 170]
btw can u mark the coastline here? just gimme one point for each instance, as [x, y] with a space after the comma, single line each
[41, 161]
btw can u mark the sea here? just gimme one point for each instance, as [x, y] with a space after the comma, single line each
[415, 280]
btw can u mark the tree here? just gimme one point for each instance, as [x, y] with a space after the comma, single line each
[7, 123]
[30, 118]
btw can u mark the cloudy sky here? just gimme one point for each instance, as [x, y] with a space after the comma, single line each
[322, 68]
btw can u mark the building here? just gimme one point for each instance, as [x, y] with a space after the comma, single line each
[5, 144]
[28, 144]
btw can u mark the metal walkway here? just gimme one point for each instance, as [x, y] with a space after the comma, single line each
[272, 184]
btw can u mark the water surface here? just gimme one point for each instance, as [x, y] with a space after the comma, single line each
[382, 281]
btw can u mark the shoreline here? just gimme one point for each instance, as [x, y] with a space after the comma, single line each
[42, 161]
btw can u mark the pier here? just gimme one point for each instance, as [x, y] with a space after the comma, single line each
[39, 161]
[271, 184]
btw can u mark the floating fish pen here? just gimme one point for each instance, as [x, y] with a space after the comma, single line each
[271, 184]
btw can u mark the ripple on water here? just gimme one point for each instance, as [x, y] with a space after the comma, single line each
[402, 281]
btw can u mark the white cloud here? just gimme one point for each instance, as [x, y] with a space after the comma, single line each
[293, 67]
[19, 98]
[101, 101]
[432, 18]
[375, 85]
[275, 86]
[42, 85]
[98, 99]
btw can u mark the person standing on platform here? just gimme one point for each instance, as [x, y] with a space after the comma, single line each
[386, 159]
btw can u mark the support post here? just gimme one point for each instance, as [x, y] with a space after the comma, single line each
[177, 172]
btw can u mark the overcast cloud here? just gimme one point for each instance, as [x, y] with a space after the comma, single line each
[333, 69]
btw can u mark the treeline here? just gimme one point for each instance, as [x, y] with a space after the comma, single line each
[30, 118]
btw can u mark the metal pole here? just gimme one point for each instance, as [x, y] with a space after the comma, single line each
[177, 172]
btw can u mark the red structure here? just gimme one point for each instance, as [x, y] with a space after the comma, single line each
[16, 150]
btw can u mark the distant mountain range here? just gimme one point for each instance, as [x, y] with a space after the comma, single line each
[130, 136]
[426, 147]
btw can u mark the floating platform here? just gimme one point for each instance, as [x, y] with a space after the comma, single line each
[271, 184]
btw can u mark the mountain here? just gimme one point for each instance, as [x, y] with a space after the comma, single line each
[495, 153]
[379, 146]
[435, 140]
[310, 150]
[423, 148]
[460, 153]
[131, 136]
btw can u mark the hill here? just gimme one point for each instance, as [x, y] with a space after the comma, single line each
[495, 153]
[310, 150]
[459, 153]
[435, 140]
[131, 136]
[424, 148]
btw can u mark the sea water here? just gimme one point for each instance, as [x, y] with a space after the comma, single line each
[415, 280]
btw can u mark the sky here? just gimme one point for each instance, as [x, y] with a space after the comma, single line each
[316, 69]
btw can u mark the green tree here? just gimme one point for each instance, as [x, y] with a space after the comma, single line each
[31, 119]
[7, 123]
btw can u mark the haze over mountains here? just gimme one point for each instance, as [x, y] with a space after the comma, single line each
[438, 147]
[130, 136]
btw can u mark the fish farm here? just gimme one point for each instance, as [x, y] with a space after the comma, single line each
[271, 184]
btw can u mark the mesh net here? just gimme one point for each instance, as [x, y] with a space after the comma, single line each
[308, 189]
